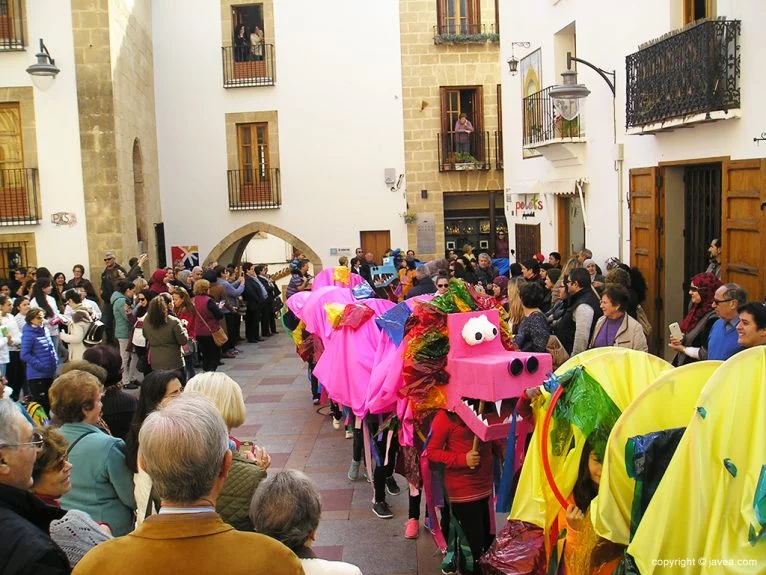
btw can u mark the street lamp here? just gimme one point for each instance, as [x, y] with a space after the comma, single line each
[45, 71]
[513, 63]
[567, 95]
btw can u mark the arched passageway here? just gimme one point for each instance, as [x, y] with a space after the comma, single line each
[230, 248]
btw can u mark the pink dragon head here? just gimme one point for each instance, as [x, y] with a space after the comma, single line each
[483, 372]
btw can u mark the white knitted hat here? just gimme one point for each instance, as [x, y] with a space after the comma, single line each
[76, 533]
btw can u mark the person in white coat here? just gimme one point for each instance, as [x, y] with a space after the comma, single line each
[77, 326]
[10, 335]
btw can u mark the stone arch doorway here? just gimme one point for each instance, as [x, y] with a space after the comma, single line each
[139, 194]
[230, 248]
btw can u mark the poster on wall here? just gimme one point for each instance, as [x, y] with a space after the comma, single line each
[187, 255]
[531, 68]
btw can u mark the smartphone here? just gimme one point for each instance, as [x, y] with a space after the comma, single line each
[245, 447]
[675, 331]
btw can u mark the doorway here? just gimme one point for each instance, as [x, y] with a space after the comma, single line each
[527, 241]
[375, 242]
[571, 226]
[702, 216]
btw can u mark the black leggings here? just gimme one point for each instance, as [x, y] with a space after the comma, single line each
[211, 353]
[15, 373]
[473, 517]
[382, 472]
[39, 389]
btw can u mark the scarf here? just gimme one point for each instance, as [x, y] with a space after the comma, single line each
[706, 284]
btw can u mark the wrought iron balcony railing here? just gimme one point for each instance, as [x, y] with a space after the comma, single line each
[19, 197]
[695, 71]
[248, 65]
[11, 25]
[460, 31]
[460, 151]
[543, 124]
[254, 189]
[499, 150]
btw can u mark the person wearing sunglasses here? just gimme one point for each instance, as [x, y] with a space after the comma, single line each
[721, 341]
[25, 546]
[442, 284]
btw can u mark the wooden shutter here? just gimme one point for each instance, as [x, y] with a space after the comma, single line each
[645, 245]
[527, 241]
[743, 225]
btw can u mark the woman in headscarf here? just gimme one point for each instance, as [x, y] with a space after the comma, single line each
[700, 318]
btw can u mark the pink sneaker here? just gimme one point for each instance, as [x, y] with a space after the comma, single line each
[411, 529]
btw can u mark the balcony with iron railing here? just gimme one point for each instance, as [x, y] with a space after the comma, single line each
[245, 66]
[19, 197]
[257, 188]
[544, 126]
[689, 76]
[11, 25]
[461, 151]
[499, 150]
[461, 31]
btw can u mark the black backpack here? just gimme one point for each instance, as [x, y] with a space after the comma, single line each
[95, 334]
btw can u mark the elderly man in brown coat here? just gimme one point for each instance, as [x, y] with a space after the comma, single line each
[184, 449]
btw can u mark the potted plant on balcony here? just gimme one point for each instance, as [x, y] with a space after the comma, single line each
[465, 161]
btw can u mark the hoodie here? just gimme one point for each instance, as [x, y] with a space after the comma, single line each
[157, 283]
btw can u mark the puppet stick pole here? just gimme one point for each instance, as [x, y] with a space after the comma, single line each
[476, 439]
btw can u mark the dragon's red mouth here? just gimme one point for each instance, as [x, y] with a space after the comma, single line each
[494, 420]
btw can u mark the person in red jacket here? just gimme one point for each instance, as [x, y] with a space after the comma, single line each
[467, 482]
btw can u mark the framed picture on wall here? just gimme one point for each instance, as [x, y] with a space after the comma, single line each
[483, 244]
[531, 71]
[450, 245]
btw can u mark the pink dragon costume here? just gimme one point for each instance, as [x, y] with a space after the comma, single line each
[417, 357]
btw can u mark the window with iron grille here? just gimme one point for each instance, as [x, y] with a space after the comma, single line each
[13, 256]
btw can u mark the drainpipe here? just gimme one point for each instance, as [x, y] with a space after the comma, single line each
[618, 166]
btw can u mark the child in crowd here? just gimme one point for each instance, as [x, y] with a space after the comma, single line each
[468, 486]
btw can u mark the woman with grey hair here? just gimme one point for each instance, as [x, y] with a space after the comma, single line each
[287, 507]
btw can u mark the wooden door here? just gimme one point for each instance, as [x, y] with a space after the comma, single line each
[13, 181]
[743, 225]
[376, 242]
[646, 247]
[254, 176]
[527, 241]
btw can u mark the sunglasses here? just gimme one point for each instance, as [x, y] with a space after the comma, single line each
[720, 301]
[442, 285]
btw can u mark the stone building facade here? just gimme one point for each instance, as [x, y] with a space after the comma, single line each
[441, 52]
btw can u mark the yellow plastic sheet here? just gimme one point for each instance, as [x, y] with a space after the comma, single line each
[334, 312]
[624, 374]
[700, 513]
[341, 274]
[667, 403]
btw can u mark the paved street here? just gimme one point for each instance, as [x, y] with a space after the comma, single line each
[281, 418]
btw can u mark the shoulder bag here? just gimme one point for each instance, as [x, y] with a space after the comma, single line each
[219, 336]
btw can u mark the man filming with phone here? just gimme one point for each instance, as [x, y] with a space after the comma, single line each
[722, 341]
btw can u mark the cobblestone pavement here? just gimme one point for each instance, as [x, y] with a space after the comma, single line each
[281, 418]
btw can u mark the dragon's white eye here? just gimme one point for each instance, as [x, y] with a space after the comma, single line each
[478, 329]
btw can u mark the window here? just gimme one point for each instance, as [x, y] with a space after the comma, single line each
[249, 17]
[253, 142]
[458, 145]
[458, 17]
[13, 254]
[11, 25]
[698, 9]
